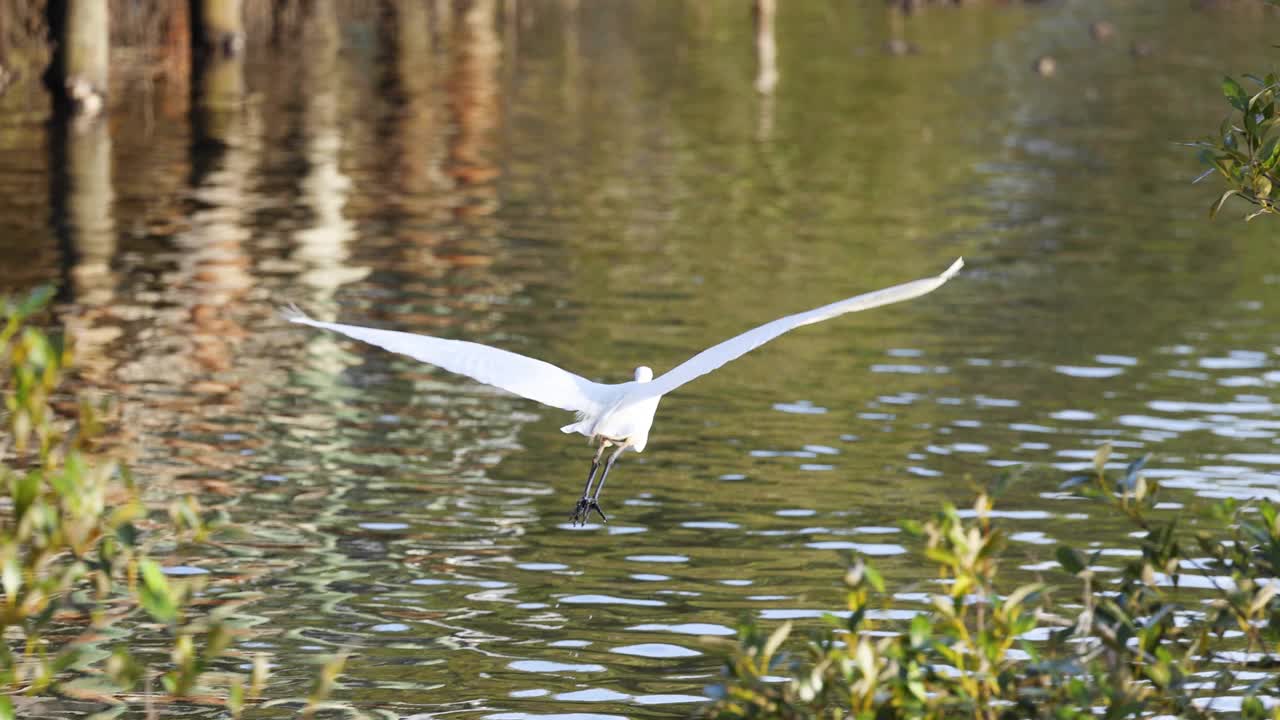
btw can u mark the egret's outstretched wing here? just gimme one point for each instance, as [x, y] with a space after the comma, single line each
[733, 348]
[524, 376]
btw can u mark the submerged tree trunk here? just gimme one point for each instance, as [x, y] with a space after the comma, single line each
[79, 76]
[766, 46]
[219, 26]
[217, 60]
[82, 201]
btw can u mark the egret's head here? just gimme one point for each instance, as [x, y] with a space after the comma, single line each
[643, 374]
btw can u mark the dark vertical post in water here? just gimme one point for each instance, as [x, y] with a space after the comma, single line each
[217, 51]
[78, 77]
[213, 276]
[81, 203]
[766, 65]
[571, 77]
[474, 94]
[415, 137]
[766, 46]
[218, 26]
[80, 190]
[322, 246]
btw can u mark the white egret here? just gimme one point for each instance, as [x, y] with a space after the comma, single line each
[610, 415]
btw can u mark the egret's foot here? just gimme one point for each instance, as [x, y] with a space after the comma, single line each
[582, 511]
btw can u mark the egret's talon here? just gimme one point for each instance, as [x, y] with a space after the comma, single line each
[582, 512]
[579, 514]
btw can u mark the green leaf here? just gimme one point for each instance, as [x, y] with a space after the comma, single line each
[917, 688]
[10, 571]
[1217, 206]
[258, 677]
[920, 630]
[123, 669]
[216, 642]
[128, 534]
[775, 640]
[833, 620]
[874, 577]
[1069, 559]
[6, 708]
[1261, 185]
[1263, 103]
[1018, 596]
[1101, 457]
[1269, 156]
[1074, 482]
[24, 489]
[324, 684]
[1268, 511]
[67, 658]
[39, 351]
[1235, 94]
[67, 483]
[156, 594]
[1131, 472]
[33, 302]
[235, 698]
[1251, 120]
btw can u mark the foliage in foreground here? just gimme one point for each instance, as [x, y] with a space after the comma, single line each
[1246, 150]
[73, 557]
[1120, 643]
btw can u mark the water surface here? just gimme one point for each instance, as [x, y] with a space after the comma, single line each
[603, 187]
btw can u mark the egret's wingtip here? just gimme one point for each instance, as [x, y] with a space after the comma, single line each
[955, 268]
[292, 313]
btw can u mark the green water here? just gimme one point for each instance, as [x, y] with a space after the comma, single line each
[600, 185]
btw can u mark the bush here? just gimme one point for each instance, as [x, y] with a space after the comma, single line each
[1127, 644]
[72, 551]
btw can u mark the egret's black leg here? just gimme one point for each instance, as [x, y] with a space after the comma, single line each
[582, 509]
[595, 465]
[594, 503]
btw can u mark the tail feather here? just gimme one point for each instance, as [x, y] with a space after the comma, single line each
[583, 425]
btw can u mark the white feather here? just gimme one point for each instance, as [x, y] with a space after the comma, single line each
[622, 413]
[515, 373]
[734, 348]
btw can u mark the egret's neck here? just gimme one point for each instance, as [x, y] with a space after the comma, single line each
[643, 374]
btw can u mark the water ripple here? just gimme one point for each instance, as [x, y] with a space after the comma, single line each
[656, 650]
[545, 666]
[609, 600]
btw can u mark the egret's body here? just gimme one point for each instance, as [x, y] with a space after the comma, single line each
[626, 421]
[610, 415]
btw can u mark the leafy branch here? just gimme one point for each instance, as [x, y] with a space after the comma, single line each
[1245, 152]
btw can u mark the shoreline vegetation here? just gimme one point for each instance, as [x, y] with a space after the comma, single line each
[1121, 642]
[79, 555]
